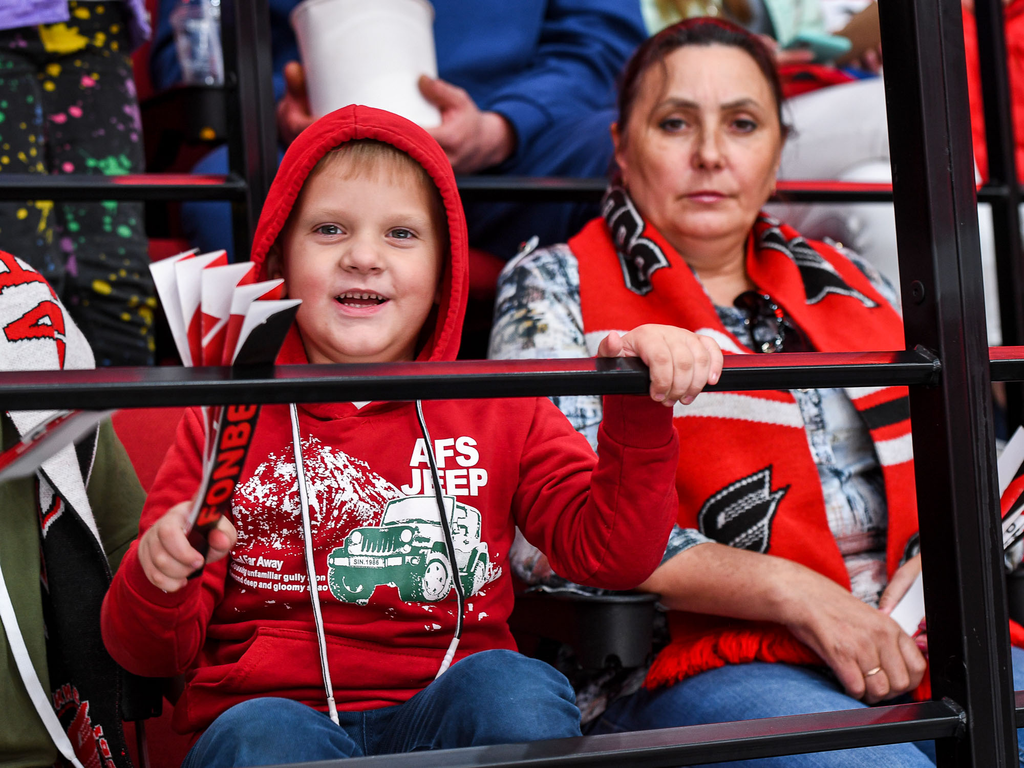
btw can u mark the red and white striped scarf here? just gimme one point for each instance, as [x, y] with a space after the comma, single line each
[746, 475]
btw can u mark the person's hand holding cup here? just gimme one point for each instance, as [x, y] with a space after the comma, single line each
[472, 139]
[293, 112]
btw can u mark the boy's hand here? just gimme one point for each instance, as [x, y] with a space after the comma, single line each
[167, 558]
[681, 362]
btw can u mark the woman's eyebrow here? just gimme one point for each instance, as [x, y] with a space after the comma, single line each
[677, 103]
[744, 103]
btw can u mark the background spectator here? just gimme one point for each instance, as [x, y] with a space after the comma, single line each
[798, 535]
[537, 75]
[1013, 30]
[840, 131]
[64, 530]
[68, 105]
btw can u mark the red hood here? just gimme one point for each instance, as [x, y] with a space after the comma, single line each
[359, 122]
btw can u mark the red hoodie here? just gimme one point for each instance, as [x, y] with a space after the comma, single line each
[245, 629]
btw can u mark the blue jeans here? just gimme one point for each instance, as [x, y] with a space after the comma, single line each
[492, 697]
[756, 690]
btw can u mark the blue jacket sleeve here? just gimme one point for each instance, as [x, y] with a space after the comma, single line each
[582, 48]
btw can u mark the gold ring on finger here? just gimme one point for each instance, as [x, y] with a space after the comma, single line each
[871, 672]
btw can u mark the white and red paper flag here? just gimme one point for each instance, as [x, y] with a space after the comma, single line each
[219, 315]
[1011, 489]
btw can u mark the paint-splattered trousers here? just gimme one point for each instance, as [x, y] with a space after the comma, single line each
[68, 105]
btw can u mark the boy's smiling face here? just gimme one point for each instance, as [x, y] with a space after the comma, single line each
[363, 250]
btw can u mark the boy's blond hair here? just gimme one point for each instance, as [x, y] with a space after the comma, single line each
[367, 157]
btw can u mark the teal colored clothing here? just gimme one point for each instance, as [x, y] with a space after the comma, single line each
[788, 17]
[116, 499]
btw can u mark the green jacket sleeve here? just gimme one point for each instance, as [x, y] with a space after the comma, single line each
[115, 496]
[116, 499]
[24, 742]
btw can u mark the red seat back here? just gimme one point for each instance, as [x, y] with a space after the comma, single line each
[147, 434]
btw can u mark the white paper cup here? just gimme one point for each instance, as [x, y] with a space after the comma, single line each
[368, 52]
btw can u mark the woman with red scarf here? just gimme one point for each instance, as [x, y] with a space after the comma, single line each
[798, 534]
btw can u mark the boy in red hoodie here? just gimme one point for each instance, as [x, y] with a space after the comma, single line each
[364, 223]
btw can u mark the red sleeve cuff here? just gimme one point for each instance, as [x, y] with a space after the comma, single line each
[137, 583]
[636, 421]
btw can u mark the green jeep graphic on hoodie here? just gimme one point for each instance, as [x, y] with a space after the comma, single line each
[408, 551]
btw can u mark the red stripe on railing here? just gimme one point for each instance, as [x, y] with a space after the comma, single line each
[181, 179]
[827, 185]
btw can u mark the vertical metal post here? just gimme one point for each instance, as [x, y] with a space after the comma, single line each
[252, 129]
[941, 280]
[1002, 174]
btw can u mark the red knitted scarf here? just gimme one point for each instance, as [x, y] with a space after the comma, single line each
[731, 486]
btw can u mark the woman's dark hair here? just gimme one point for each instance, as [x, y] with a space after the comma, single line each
[697, 31]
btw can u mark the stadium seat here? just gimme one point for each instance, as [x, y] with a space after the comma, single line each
[146, 434]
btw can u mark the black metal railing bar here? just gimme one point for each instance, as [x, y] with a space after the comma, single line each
[137, 186]
[942, 285]
[1006, 363]
[171, 386]
[695, 744]
[182, 186]
[547, 190]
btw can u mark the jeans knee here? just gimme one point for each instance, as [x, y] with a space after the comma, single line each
[511, 698]
[531, 677]
[269, 731]
[249, 719]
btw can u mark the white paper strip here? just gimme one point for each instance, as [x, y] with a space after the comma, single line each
[910, 609]
[165, 279]
[218, 285]
[40, 698]
[1010, 459]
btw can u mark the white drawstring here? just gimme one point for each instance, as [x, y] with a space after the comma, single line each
[314, 596]
[449, 655]
[449, 544]
[314, 589]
